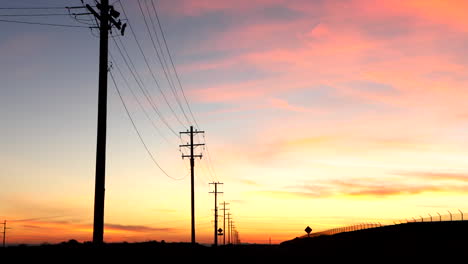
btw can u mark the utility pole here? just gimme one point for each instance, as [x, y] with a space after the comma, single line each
[215, 192]
[4, 232]
[229, 227]
[231, 234]
[224, 221]
[192, 171]
[106, 16]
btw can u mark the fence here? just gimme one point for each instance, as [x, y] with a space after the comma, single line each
[437, 217]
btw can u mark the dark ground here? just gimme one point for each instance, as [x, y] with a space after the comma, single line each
[419, 242]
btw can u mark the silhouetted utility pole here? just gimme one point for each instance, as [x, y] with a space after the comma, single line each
[224, 221]
[192, 171]
[215, 192]
[106, 17]
[229, 227]
[231, 234]
[4, 232]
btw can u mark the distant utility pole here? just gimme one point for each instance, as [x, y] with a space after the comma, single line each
[4, 232]
[231, 234]
[106, 17]
[192, 171]
[224, 221]
[215, 192]
[229, 227]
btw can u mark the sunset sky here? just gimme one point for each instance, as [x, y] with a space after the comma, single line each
[316, 112]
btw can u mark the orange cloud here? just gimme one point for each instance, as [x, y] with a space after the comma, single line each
[249, 182]
[285, 105]
[370, 188]
[57, 231]
[450, 176]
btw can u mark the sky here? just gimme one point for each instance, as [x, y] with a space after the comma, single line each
[316, 113]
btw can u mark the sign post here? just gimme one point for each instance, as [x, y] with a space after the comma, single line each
[308, 230]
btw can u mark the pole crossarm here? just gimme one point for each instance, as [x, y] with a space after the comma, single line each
[193, 132]
[189, 145]
[195, 156]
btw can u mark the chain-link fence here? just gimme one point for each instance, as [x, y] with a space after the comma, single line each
[437, 217]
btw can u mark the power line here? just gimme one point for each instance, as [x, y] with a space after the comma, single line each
[142, 87]
[42, 24]
[141, 105]
[210, 165]
[163, 62]
[172, 63]
[149, 68]
[138, 132]
[31, 15]
[210, 161]
[138, 101]
[36, 8]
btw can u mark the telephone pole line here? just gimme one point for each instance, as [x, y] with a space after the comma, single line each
[192, 157]
[224, 221]
[106, 17]
[215, 192]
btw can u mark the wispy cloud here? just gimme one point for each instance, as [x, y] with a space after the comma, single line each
[285, 105]
[249, 182]
[366, 188]
[136, 228]
[427, 175]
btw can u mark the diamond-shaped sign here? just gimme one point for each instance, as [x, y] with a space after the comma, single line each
[308, 230]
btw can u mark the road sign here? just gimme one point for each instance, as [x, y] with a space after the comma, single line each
[220, 232]
[308, 230]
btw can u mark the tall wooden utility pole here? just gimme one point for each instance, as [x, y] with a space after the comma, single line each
[192, 157]
[106, 17]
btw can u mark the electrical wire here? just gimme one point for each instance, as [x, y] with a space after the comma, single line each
[138, 101]
[36, 8]
[209, 159]
[144, 90]
[210, 167]
[174, 68]
[148, 66]
[31, 15]
[163, 62]
[42, 24]
[157, 53]
[138, 133]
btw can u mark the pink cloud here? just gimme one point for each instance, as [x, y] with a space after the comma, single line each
[200, 7]
[285, 105]
[444, 176]
[364, 187]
